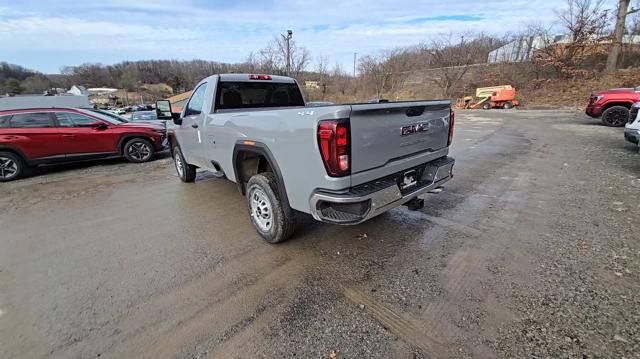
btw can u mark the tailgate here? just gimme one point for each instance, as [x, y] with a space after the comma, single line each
[382, 133]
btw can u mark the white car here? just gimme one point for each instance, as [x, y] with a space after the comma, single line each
[632, 128]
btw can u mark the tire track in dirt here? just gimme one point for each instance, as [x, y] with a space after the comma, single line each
[200, 309]
[407, 329]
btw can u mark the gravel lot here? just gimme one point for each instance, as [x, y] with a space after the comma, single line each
[533, 250]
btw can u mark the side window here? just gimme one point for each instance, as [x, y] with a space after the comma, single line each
[4, 121]
[70, 119]
[194, 107]
[31, 120]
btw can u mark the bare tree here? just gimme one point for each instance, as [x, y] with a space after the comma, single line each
[323, 75]
[584, 19]
[373, 71]
[616, 45]
[586, 23]
[36, 84]
[341, 80]
[397, 64]
[451, 57]
[273, 57]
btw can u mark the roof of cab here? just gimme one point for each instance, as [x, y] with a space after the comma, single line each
[245, 78]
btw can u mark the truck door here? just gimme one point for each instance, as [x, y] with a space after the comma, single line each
[189, 133]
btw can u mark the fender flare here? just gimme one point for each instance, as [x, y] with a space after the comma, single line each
[611, 103]
[10, 148]
[261, 149]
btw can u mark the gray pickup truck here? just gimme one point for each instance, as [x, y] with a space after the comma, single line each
[342, 164]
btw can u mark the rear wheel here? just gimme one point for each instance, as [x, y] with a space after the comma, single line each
[508, 105]
[615, 116]
[186, 172]
[486, 106]
[11, 166]
[273, 219]
[138, 150]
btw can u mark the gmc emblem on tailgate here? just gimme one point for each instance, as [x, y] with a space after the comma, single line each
[413, 129]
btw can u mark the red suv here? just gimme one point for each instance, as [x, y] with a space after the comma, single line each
[613, 105]
[30, 137]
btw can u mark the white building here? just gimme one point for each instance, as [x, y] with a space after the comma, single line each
[101, 91]
[522, 49]
[78, 90]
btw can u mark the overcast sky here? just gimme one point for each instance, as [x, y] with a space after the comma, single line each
[45, 35]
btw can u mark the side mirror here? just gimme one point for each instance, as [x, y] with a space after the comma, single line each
[99, 125]
[163, 110]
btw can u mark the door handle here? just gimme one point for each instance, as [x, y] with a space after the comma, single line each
[68, 136]
[194, 125]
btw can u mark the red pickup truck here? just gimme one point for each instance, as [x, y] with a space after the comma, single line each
[613, 105]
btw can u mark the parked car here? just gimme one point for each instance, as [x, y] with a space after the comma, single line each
[109, 114]
[31, 137]
[144, 116]
[119, 111]
[613, 105]
[342, 164]
[632, 128]
[150, 117]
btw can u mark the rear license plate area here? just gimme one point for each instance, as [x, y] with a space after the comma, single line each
[408, 179]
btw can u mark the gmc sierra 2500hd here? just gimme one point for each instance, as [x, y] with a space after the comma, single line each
[343, 164]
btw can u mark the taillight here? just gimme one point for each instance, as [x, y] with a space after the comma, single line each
[452, 121]
[260, 77]
[334, 142]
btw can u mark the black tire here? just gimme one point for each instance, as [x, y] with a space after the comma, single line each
[486, 106]
[508, 105]
[185, 171]
[138, 150]
[280, 216]
[11, 166]
[615, 116]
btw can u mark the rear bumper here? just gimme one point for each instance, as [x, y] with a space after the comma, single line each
[594, 111]
[368, 200]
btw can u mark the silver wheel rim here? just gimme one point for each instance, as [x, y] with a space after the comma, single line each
[261, 209]
[139, 151]
[8, 168]
[179, 165]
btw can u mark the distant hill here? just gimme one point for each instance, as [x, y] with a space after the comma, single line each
[31, 82]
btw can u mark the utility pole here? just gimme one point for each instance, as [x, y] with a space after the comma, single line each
[355, 55]
[288, 39]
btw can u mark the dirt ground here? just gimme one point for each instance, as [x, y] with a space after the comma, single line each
[532, 250]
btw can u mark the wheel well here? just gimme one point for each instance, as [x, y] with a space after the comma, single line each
[15, 152]
[611, 104]
[248, 164]
[124, 141]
